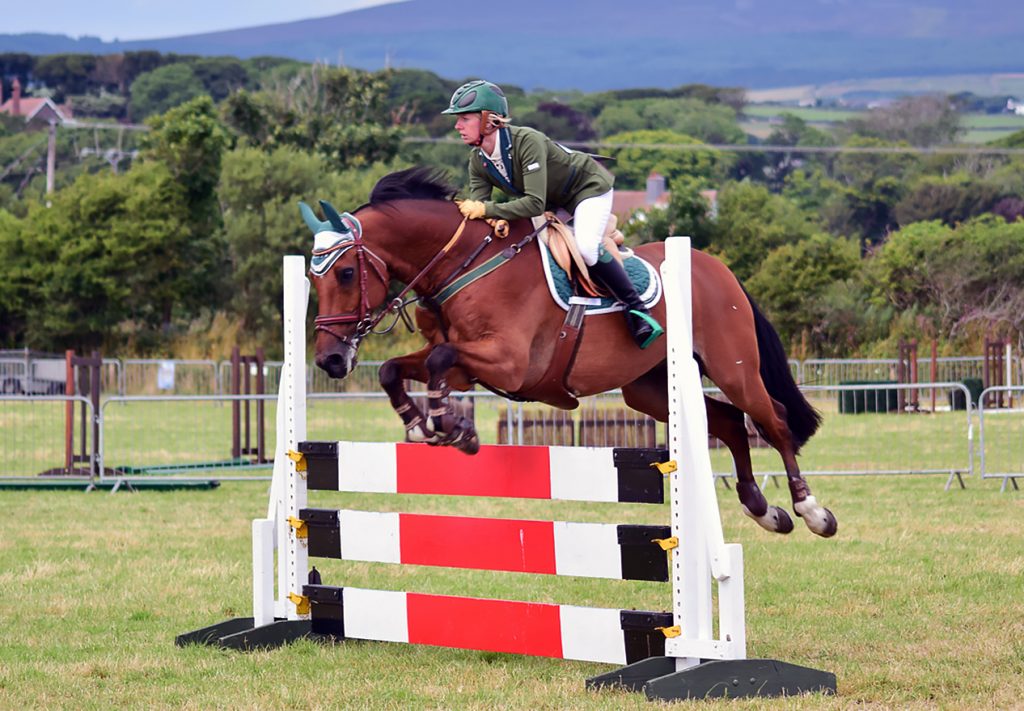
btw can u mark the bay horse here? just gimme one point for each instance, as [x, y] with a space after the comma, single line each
[501, 330]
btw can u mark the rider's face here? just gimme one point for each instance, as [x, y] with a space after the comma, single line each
[468, 126]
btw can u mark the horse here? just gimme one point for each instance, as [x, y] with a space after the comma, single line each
[500, 331]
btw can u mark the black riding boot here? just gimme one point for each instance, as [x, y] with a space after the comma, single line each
[642, 325]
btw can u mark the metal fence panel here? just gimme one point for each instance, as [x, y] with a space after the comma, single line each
[1001, 437]
[32, 433]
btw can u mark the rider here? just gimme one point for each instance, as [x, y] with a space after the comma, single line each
[540, 174]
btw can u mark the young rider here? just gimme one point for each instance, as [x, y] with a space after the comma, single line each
[540, 174]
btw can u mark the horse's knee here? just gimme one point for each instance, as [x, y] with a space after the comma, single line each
[442, 357]
[389, 374]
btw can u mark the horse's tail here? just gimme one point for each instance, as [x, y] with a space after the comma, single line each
[803, 420]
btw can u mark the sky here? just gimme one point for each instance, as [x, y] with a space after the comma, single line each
[151, 19]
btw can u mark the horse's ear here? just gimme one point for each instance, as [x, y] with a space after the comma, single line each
[315, 224]
[334, 217]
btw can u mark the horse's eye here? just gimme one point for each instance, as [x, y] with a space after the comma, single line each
[346, 274]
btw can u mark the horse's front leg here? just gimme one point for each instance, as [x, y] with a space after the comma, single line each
[451, 428]
[392, 375]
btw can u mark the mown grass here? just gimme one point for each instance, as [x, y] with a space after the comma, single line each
[917, 603]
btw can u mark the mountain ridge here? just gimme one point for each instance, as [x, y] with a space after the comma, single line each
[752, 43]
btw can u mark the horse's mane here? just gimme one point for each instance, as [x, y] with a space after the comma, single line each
[417, 183]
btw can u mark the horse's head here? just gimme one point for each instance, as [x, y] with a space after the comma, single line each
[350, 280]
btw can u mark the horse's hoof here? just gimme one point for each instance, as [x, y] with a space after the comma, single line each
[775, 519]
[469, 444]
[819, 519]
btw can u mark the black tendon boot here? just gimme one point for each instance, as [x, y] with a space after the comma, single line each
[644, 327]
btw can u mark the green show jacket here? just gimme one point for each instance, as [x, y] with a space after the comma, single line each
[543, 175]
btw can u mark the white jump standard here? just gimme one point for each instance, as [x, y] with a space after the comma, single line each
[669, 655]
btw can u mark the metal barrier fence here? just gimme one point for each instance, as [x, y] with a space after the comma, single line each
[32, 434]
[836, 371]
[1001, 439]
[862, 433]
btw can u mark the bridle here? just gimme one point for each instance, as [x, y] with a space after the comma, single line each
[364, 319]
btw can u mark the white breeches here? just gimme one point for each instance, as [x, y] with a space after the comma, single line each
[589, 223]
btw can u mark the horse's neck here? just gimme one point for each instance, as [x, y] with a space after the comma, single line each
[408, 242]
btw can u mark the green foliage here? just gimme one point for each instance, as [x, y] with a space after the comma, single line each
[164, 88]
[927, 120]
[964, 280]
[709, 123]
[633, 165]
[190, 140]
[686, 214]
[752, 222]
[111, 248]
[560, 122]
[793, 278]
[221, 75]
[66, 73]
[869, 185]
[259, 193]
[417, 97]
[950, 199]
[340, 113]
[103, 105]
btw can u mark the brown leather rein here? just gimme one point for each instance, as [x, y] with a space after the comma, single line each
[365, 321]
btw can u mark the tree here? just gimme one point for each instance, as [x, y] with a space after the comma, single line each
[66, 73]
[868, 186]
[633, 165]
[688, 213]
[794, 277]
[560, 122]
[965, 280]
[752, 222]
[951, 199]
[190, 141]
[928, 120]
[340, 113]
[112, 248]
[221, 76]
[259, 193]
[164, 88]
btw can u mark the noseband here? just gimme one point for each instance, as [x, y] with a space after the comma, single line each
[366, 321]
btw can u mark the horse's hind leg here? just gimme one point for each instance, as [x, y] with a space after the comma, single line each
[749, 395]
[725, 421]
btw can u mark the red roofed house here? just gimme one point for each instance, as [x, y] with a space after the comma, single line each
[625, 202]
[41, 110]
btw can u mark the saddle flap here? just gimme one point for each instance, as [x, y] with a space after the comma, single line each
[561, 243]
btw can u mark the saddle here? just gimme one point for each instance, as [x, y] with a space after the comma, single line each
[562, 244]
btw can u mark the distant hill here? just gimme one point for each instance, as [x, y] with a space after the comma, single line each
[600, 44]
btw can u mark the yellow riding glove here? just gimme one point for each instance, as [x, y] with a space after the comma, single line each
[471, 209]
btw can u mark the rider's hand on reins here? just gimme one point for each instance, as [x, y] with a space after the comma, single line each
[471, 209]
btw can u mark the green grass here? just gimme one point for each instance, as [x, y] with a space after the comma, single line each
[915, 604]
[810, 114]
[978, 128]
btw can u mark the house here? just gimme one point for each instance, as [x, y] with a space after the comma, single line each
[626, 202]
[35, 110]
[1015, 107]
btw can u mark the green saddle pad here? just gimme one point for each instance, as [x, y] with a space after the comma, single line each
[643, 275]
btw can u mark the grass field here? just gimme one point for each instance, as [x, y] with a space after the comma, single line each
[977, 128]
[917, 603]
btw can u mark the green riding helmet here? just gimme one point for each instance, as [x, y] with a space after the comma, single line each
[480, 96]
